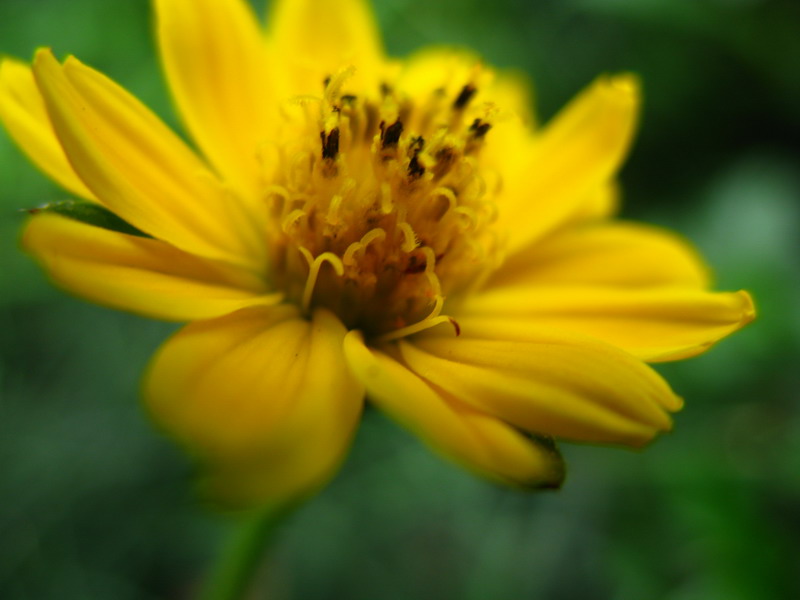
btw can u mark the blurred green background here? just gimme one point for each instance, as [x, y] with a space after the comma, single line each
[94, 503]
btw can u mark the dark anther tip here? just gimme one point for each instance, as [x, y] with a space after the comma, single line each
[466, 94]
[479, 129]
[391, 135]
[330, 143]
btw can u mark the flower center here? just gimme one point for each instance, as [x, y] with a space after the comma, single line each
[379, 206]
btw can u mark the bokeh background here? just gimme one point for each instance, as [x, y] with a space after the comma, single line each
[94, 503]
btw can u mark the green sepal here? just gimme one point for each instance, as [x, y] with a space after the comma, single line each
[89, 213]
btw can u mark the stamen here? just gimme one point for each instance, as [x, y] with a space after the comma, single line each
[303, 100]
[430, 259]
[391, 135]
[313, 273]
[373, 235]
[469, 219]
[409, 237]
[333, 85]
[330, 144]
[299, 170]
[333, 210]
[430, 270]
[349, 256]
[430, 321]
[463, 98]
[455, 325]
[415, 170]
[479, 129]
[386, 198]
[277, 192]
[292, 218]
[449, 195]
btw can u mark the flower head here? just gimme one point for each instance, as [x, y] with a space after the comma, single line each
[359, 226]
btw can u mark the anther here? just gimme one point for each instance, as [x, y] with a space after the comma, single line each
[466, 94]
[415, 146]
[415, 170]
[479, 129]
[445, 158]
[330, 143]
[391, 135]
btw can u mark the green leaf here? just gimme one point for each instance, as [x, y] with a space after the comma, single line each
[91, 214]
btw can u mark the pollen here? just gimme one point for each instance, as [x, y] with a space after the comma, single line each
[379, 206]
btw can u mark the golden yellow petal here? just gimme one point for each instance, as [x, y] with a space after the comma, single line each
[601, 203]
[137, 274]
[23, 113]
[470, 437]
[553, 383]
[139, 169]
[514, 91]
[315, 39]
[574, 155]
[618, 254]
[264, 399]
[215, 59]
[657, 324]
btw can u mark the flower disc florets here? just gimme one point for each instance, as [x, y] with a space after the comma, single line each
[380, 205]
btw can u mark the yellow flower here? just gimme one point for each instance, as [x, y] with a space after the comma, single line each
[359, 226]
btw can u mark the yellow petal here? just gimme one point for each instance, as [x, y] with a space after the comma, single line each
[601, 203]
[137, 274]
[23, 113]
[653, 324]
[610, 254]
[574, 155]
[553, 383]
[262, 397]
[514, 91]
[315, 39]
[139, 169]
[215, 59]
[468, 436]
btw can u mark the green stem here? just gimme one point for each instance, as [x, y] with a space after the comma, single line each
[232, 575]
